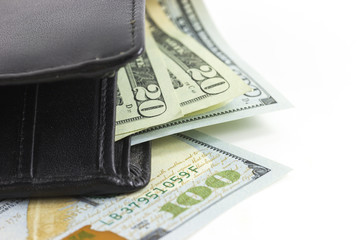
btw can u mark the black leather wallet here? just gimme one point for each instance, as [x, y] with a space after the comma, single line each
[58, 63]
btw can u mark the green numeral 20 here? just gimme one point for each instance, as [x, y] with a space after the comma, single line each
[198, 194]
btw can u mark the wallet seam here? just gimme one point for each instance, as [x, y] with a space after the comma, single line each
[132, 23]
[22, 138]
[27, 115]
[102, 122]
[62, 179]
[34, 131]
[61, 68]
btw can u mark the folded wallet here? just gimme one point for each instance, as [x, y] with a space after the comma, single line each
[58, 63]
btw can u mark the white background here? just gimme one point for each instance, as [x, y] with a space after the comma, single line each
[310, 51]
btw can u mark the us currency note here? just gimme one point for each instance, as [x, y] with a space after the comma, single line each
[145, 96]
[194, 178]
[192, 18]
[200, 79]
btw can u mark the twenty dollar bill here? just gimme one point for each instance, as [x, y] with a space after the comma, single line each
[145, 94]
[199, 80]
[202, 79]
[192, 18]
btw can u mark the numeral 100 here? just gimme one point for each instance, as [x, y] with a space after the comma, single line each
[198, 194]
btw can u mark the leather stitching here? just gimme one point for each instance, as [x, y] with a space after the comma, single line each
[102, 122]
[133, 23]
[60, 179]
[22, 138]
[31, 172]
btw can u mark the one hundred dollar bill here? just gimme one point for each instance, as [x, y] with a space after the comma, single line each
[146, 96]
[193, 179]
[192, 18]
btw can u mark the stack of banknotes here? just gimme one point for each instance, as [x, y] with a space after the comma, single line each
[187, 78]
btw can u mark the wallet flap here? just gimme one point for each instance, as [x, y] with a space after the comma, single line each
[47, 40]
